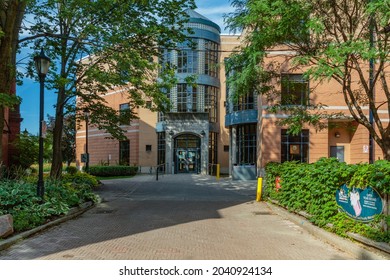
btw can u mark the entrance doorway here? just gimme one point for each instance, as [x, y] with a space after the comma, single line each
[187, 154]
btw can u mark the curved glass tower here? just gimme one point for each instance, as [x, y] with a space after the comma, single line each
[187, 134]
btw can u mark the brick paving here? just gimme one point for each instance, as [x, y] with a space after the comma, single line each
[178, 217]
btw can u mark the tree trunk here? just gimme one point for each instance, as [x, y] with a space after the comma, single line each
[11, 14]
[385, 146]
[56, 165]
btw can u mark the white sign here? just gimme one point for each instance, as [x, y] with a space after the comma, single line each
[365, 149]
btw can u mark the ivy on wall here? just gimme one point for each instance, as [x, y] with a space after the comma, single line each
[312, 187]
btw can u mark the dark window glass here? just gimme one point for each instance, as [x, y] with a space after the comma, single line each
[161, 148]
[295, 90]
[211, 58]
[295, 147]
[211, 103]
[337, 152]
[124, 111]
[246, 144]
[213, 148]
[245, 102]
[186, 98]
[187, 57]
[124, 152]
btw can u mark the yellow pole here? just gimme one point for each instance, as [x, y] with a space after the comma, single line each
[217, 171]
[259, 187]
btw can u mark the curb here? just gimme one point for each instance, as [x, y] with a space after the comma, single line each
[74, 212]
[356, 250]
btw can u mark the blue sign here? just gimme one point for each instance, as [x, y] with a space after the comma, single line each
[359, 204]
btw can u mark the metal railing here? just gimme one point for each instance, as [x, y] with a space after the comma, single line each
[161, 168]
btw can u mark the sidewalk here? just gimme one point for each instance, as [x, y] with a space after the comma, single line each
[185, 217]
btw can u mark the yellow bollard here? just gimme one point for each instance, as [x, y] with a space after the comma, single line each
[217, 171]
[259, 187]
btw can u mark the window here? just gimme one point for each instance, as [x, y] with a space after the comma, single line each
[295, 90]
[226, 148]
[213, 148]
[148, 148]
[161, 148]
[187, 57]
[337, 152]
[295, 148]
[246, 144]
[165, 60]
[148, 104]
[211, 58]
[124, 111]
[245, 102]
[186, 98]
[187, 61]
[211, 103]
[124, 152]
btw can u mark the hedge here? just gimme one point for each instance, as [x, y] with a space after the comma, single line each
[312, 188]
[113, 170]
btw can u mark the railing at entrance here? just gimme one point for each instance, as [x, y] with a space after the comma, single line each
[161, 168]
[213, 169]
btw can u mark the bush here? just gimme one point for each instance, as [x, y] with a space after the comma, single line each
[19, 199]
[312, 188]
[71, 170]
[80, 178]
[113, 170]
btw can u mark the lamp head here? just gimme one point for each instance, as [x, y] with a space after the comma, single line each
[42, 63]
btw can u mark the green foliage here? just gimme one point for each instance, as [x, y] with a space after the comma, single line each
[28, 147]
[113, 170]
[117, 41]
[306, 28]
[71, 170]
[80, 178]
[7, 100]
[18, 198]
[312, 188]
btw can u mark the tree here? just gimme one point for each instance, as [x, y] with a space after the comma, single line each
[68, 148]
[328, 39]
[11, 14]
[118, 40]
[28, 147]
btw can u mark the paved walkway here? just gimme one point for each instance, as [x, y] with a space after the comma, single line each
[177, 217]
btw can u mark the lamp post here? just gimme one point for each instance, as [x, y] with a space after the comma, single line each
[42, 63]
[86, 115]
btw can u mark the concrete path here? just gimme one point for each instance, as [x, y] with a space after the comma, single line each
[177, 217]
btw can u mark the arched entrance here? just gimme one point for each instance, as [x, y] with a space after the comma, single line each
[187, 154]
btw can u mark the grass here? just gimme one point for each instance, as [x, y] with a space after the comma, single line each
[47, 166]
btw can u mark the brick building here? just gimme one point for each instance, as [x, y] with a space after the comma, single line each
[10, 133]
[205, 126]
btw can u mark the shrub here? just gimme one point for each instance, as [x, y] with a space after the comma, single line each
[80, 178]
[71, 170]
[312, 188]
[113, 170]
[19, 198]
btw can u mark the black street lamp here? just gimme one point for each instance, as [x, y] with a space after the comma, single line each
[42, 63]
[86, 115]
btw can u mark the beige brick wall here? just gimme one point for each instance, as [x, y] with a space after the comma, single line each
[228, 43]
[147, 136]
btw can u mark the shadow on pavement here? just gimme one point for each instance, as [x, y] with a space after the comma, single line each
[137, 205]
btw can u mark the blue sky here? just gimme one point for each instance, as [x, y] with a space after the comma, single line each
[29, 91]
